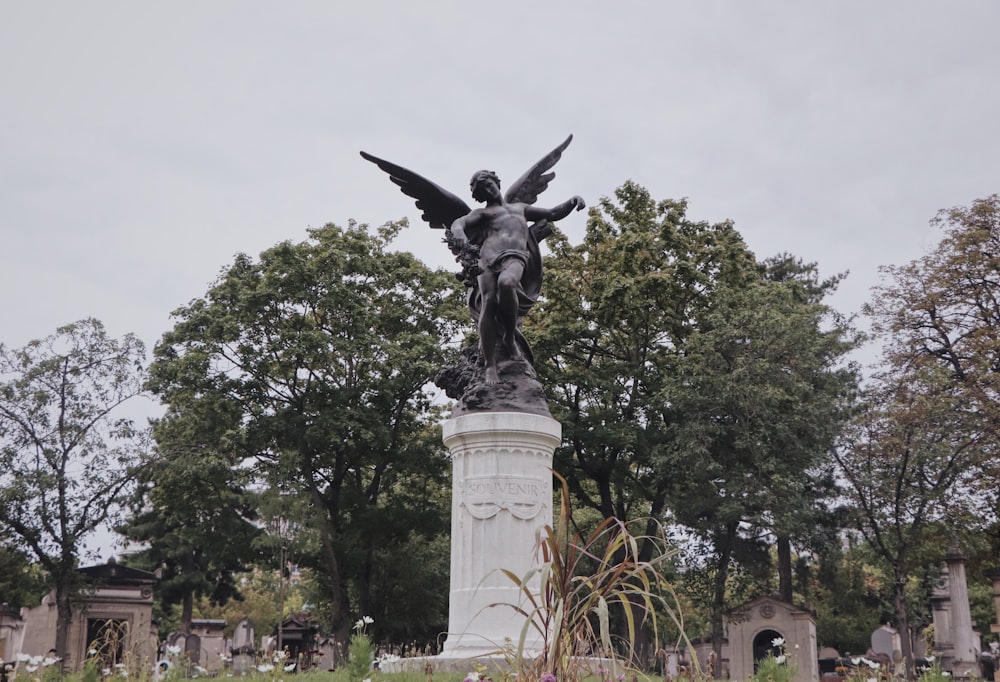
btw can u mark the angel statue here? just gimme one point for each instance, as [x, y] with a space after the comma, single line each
[501, 261]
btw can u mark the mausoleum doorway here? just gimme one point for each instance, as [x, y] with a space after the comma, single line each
[763, 644]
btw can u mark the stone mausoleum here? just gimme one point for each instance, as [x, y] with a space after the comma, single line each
[120, 600]
[753, 628]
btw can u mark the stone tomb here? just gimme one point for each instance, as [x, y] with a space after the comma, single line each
[120, 602]
[755, 625]
[298, 637]
[204, 647]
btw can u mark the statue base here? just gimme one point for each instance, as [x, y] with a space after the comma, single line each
[501, 504]
[518, 391]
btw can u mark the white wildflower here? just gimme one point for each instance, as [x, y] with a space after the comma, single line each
[780, 660]
[778, 641]
[105, 671]
[22, 657]
[171, 649]
[874, 665]
[31, 668]
[290, 667]
[48, 660]
[855, 661]
[930, 659]
[265, 668]
[36, 660]
[367, 620]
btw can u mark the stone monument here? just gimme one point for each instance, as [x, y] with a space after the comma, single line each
[954, 639]
[501, 435]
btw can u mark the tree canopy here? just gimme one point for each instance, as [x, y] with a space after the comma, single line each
[920, 461]
[68, 452]
[318, 357]
[691, 379]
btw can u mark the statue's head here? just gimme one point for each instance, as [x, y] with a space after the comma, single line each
[478, 179]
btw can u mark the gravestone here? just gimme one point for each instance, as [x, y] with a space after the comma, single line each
[244, 637]
[192, 647]
[885, 641]
[328, 653]
[244, 647]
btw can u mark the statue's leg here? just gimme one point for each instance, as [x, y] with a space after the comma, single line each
[507, 284]
[487, 326]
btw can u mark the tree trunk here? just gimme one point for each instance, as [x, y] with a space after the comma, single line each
[338, 595]
[645, 644]
[785, 569]
[187, 612]
[364, 585]
[64, 617]
[903, 620]
[724, 547]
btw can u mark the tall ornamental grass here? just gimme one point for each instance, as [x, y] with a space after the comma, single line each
[583, 584]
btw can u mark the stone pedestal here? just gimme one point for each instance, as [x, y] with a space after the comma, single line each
[501, 501]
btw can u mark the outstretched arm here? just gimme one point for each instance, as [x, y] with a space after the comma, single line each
[556, 213]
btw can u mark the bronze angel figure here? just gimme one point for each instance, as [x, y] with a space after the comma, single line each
[496, 246]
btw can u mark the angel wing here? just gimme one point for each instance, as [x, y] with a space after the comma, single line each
[536, 180]
[440, 207]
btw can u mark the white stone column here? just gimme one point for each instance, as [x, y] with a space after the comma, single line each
[965, 662]
[501, 500]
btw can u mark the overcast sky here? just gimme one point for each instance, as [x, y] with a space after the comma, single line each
[143, 145]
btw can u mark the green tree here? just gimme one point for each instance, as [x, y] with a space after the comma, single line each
[195, 523]
[852, 596]
[908, 469]
[22, 583]
[259, 601]
[691, 378]
[67, 452]
[325, 349]
[758, 399]
[618, 310]
[943, 310]
[921, 461]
